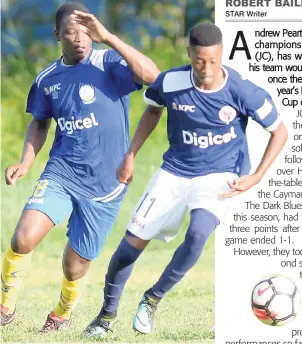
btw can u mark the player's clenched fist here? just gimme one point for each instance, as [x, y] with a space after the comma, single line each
[14, 172]
[90, 25]
[126, 170]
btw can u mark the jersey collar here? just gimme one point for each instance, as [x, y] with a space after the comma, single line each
[226, 73]
[85, 61]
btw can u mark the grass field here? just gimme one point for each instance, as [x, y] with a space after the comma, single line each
[186, 315]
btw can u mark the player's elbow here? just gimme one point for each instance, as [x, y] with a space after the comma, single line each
[154, 111]
[41, 126]
[154, 74]
[281, 132]
[151, 74]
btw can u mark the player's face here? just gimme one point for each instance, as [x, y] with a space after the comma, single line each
[75, 43]
[206, 63]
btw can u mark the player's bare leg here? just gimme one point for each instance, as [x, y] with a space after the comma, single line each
[119, 271]
[32, 227]
[75, 270]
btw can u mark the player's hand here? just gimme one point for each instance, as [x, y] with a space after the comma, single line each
[90, 25]
[240, 185]
[126, 170]
[14, 172]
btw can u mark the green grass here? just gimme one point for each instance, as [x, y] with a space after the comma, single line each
[186, 314]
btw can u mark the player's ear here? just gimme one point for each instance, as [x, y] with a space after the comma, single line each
[188, 50]
[57, 36]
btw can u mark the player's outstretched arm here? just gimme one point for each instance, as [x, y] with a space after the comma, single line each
[144, 69]
[34, 140]
[277, 141]
[147, 124]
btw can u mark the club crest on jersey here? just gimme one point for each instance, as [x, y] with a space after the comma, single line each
[87, 94]
[227, 114]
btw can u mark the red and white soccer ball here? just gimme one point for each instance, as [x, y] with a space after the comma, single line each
[276, 300]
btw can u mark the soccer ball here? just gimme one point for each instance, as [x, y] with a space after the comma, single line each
[276, 300]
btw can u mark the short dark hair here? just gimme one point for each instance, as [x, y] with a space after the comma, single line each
[205, 35]
[68, 9]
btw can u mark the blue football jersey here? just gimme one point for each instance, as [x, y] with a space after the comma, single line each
[90, 103]
[207, 129]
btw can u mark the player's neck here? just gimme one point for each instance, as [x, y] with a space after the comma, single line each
[69, 62]
[216, 84]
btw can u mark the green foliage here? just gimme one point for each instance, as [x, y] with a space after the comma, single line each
[143, 22]
[171, 15]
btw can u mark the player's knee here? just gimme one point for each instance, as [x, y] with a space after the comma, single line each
[22, 241]
[33, 225]
[202, 224]
[73, 272]
[195, 241]
[75, 269]
[136, 242]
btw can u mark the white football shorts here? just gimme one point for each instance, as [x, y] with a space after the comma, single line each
[161, 210]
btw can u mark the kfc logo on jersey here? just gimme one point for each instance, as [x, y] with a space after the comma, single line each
[55, 88]
[52, 90]
[87, 94]
[46, 91]
[227, 114]
[209, 140]
[185, 108]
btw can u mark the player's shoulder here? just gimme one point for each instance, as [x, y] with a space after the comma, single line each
[47, 72]
[176, 79]
[240, 85]
[104, 57]
[97, 57]
[235, 79]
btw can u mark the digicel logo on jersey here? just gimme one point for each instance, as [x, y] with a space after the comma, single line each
[209, 140]
[71, 126]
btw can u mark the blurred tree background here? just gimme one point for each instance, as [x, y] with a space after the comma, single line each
[28, 21]
[156, 27]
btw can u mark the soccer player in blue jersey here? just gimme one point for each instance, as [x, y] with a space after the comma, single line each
[86, 92]
[206, 164]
